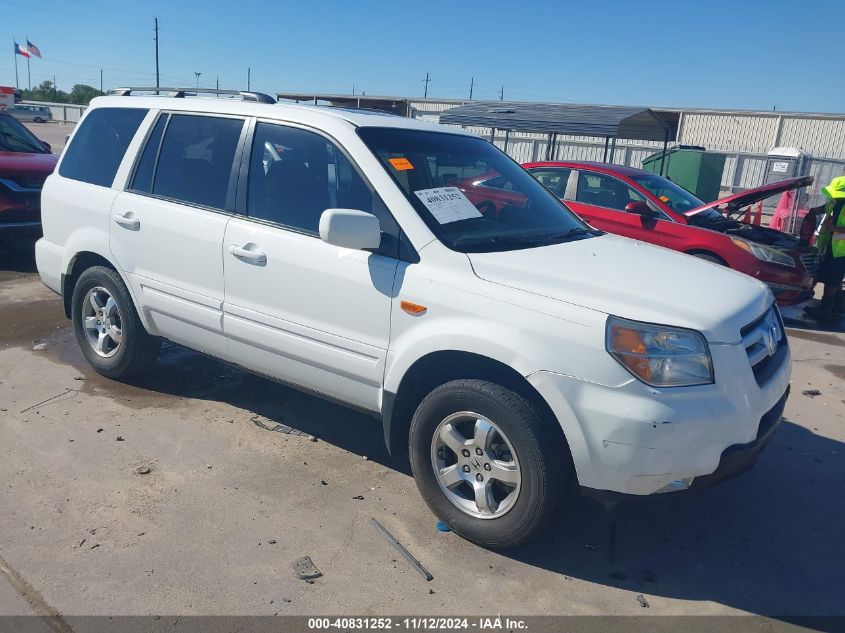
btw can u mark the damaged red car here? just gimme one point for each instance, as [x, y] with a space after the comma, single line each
[650, 208]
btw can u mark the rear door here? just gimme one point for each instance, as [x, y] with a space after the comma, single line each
[166, 229]
[297, 308]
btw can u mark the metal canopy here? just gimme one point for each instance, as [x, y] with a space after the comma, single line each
[560, 118]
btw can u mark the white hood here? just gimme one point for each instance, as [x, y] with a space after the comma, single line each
[633, 280]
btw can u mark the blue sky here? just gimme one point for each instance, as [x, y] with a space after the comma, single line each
[740, 54]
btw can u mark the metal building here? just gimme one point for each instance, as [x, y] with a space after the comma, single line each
[744, 136]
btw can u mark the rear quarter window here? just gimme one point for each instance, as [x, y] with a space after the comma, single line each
[98, 146]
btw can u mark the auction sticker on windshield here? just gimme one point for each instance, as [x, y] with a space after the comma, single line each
[447, 204]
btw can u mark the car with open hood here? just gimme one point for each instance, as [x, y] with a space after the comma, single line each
[25, 163]
[517, 355]
[648, 207]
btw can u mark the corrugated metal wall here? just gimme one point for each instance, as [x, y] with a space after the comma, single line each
[745, 139]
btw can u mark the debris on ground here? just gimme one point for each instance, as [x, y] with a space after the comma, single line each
[358, 497]
[643, 602]
[143, 470]
[323, 482]
[402, 550]
[99, 430]
[812, 393]
[120, 439]
[272, 541]
[95, 546]
[442, 527]
[39, 347]
[272, 425]
[312, 438]
[79, 377]
[305, 569]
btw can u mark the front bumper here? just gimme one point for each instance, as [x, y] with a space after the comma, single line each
[636, 440]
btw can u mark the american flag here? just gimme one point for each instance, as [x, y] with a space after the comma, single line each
[32, 49]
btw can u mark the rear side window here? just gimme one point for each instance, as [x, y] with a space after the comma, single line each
[99, 144]
[189, 158]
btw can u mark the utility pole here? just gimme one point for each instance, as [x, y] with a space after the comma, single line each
[101, 79]
[55, 89]
[157, 78]
[427, 79]
[502, 94]
[248, 77]
[218, 85]
[471, 84]
[198, 79]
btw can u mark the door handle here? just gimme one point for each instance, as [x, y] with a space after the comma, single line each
[256, 257]
[127, 221]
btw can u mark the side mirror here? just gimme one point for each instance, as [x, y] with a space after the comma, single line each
[350, 228]
[641, 208]
[47, 146]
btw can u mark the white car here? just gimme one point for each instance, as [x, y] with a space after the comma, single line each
[518, 354]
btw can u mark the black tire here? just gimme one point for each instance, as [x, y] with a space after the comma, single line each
[542, 463]
[137, 351]
[709, 257]
[38, 119]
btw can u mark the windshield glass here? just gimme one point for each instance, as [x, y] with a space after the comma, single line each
[472, 196]
[673, 196]
[14, 137]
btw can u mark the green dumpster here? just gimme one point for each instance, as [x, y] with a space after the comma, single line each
[693, 168]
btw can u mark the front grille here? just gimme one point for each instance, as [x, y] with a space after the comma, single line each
[811, 262]
[765, 344]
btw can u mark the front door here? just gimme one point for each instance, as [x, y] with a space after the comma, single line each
[166, 230]
[601, 200]
[296, 308]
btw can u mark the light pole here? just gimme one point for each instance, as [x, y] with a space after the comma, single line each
[198, 79]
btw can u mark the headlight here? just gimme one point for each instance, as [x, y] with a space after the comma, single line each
[771, 255]
[659, 355]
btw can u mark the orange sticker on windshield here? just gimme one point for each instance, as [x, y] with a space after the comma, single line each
[401, 164]
[664, 199]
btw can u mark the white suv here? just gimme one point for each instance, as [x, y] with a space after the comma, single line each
[517, 353]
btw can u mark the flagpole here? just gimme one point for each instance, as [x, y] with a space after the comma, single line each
[28, 75]
[15, 50]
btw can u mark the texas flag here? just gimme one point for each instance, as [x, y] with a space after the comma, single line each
[32, 49]
[20, 51]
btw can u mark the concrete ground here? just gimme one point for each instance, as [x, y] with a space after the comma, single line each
[228, 505]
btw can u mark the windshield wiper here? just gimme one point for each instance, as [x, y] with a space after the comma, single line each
[522, 239]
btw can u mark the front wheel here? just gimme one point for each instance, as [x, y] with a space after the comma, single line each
[486, 462]
[107, 328]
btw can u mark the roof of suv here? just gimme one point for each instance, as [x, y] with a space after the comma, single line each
[315, 115]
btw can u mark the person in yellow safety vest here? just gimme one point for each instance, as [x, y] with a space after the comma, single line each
[831, 245]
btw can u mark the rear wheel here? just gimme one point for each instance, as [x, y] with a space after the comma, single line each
[107, 328]
[38, 119]
[485, 462]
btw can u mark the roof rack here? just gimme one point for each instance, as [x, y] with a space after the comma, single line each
[258, 97]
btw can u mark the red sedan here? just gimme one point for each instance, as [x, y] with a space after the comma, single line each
[648, 207]
[25, 163]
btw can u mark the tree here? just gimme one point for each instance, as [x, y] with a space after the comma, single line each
[83, 93]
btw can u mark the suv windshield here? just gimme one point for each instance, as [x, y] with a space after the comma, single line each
[472, 196]
[673, 196]
[14, 137]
